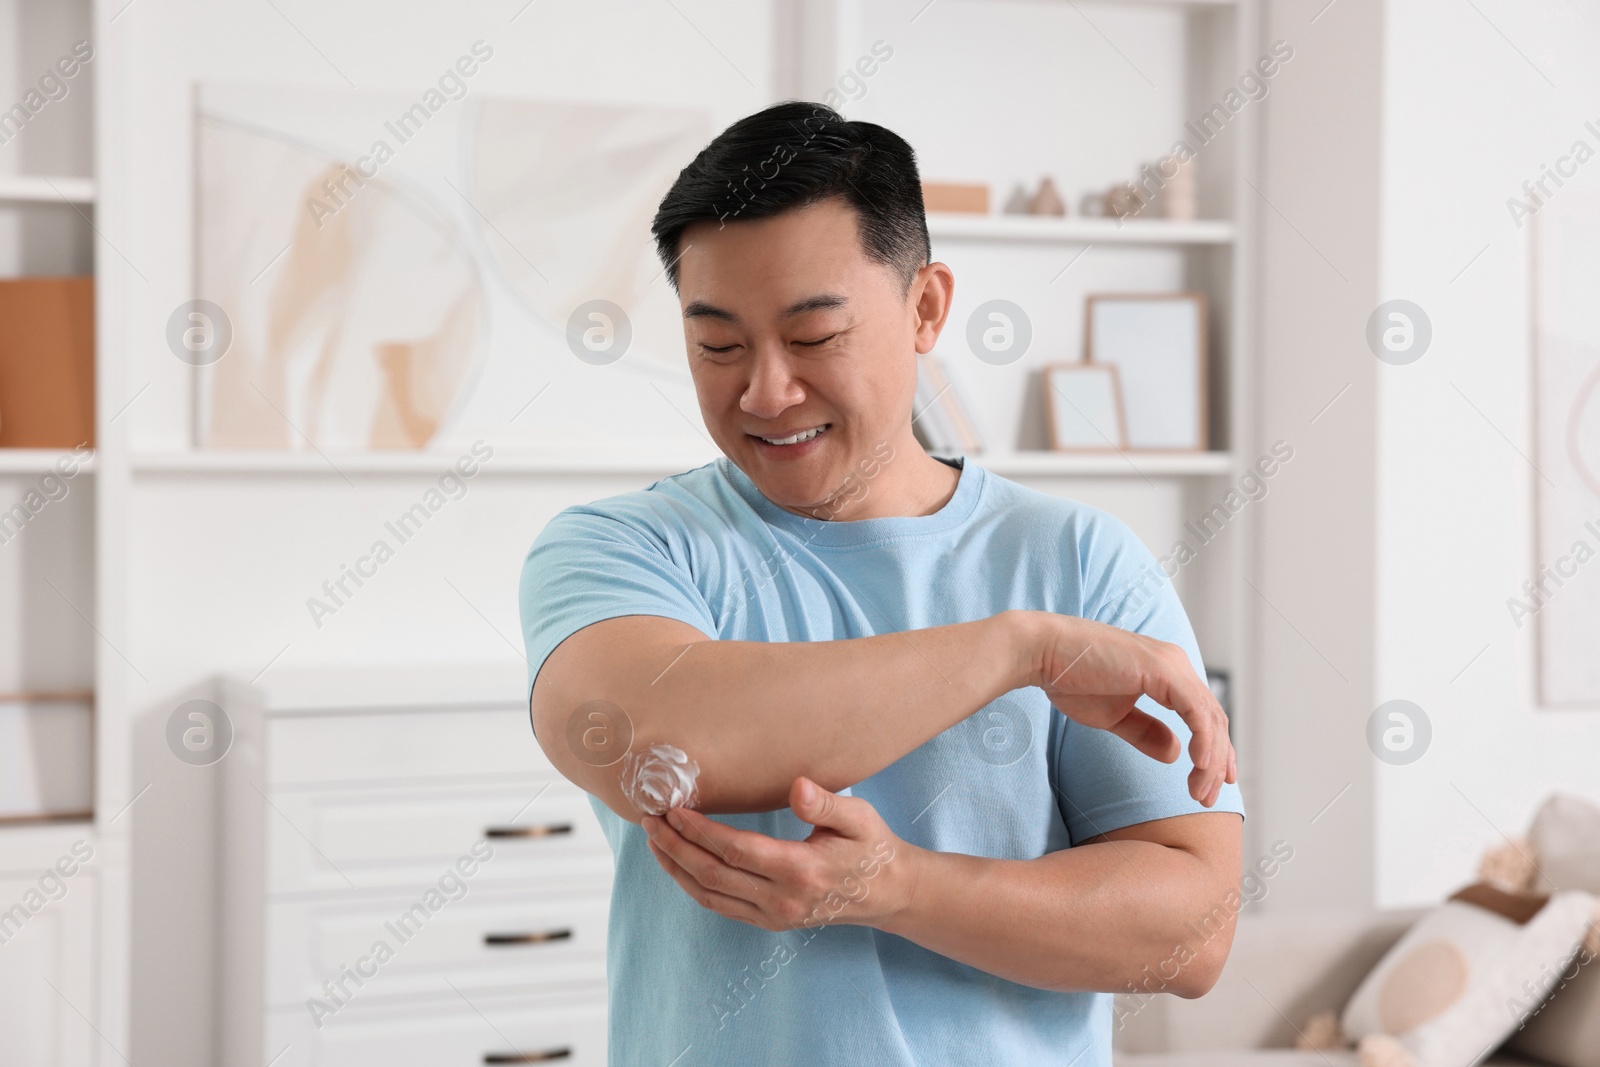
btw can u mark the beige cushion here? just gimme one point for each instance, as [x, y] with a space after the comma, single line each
[1276, 1057]
[1269, 1058]
[1566, 1031]
[1443, 989]
[1566, 839]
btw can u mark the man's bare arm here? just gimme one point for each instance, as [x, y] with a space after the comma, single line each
[756, 715]
[1148, 905]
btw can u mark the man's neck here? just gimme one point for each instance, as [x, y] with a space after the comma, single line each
[909, 483]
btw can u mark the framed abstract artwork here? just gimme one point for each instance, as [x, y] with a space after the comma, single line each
[1562, 601]
[394, 274]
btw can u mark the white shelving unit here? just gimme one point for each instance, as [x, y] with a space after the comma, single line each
[1079, 231]
[52, 970]
[37, 461]
[1157, 66]
[312, 464]
[46, 189]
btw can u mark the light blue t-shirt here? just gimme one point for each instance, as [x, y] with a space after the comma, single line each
[1017, 780]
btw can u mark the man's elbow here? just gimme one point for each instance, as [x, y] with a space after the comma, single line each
[1202, 973]
[596, 758]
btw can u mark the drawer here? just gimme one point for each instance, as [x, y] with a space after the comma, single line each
[488, 1030]
[371, 839]
[400, 743]
[483, 939]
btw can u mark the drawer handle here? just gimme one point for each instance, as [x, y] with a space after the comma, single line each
[528, 1057]
[548, 830]
[536, 937]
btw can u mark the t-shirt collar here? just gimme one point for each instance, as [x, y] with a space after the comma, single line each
[858, 532]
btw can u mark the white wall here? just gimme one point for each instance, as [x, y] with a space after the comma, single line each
[1391, 148]
[1473, 110]
[1318, 270]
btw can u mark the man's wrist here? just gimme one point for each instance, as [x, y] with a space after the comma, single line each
[1024, 635]
[904, 876]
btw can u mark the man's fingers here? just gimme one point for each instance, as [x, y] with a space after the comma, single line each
[722, 903]
[738, 848]
[1173, 683]
[1149, 735]
[704, 866]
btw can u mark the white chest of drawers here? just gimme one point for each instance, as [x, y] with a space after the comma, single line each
[405, 878]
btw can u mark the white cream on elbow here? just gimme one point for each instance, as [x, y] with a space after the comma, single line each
[660, 778]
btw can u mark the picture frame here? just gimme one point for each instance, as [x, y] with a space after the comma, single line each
[1084, 405]
[1157, 342]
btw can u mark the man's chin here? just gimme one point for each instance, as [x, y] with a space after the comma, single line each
[805, 486]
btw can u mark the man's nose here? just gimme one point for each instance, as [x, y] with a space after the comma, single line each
[772, 388]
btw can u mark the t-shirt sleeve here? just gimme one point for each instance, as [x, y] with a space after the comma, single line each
[586, 567]
[1102, 782]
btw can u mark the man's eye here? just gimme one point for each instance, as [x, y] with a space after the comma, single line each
[715, 348]
[819, 341]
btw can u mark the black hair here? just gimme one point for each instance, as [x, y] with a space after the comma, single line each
[794, 154]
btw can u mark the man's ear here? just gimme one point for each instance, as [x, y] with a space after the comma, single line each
[932, 291]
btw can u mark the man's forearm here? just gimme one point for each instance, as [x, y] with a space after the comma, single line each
[755, 715]
[1102, 917]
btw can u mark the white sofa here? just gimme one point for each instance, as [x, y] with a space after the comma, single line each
[1283, 969]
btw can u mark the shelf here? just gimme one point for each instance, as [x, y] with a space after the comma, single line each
[1076, 231]
[1069, 464]
[1107, 464]
[333, 464]
[38, 460]
[48, 190]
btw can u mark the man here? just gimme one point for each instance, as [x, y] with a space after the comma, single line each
[942, 806]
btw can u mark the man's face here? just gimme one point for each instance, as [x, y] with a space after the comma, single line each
[793, 331]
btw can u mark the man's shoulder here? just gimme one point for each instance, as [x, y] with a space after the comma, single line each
[1013, 502]
[667, 508]
[1106, 559]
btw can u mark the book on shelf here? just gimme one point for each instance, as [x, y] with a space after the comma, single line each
[943, 422]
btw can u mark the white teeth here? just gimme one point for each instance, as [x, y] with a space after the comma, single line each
[804, 435]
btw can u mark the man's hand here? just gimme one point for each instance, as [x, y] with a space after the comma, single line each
[851, 869]
[1133, 893]
[1093, 674]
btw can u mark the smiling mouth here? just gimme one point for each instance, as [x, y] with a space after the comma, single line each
[795, 439]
